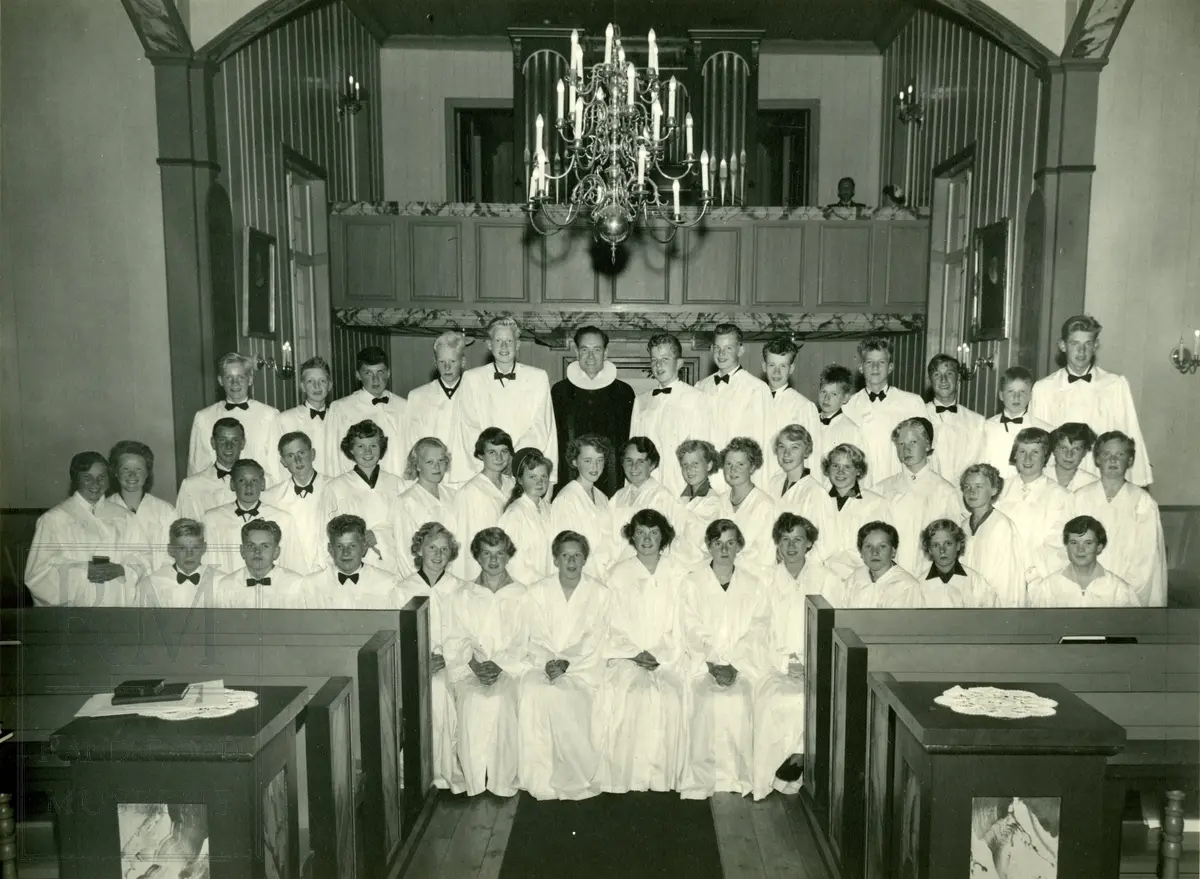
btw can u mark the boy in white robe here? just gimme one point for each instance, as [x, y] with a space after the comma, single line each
[959, 430]
[1084, 582]
[260, 582]
[834, 426]
[879, 582]
[846, 507]
[235, 375]
[369, 491]
[187, 581]
[917, 495]
[1000, 431]
[504, 394]
[725, 611]
[210, 488]
[306, 496]
[223, 524]
[311, 418]
[481, 499]
[639, 460]
[583, 507]
[670, 413]
[1070, 444]
[1082, 391]
[427, 500]
[994, 546]
[528, 519]
[561, 718]
[788, 406]
[485, 649]
[643, 686]
[1035, 504]
[950, 583]
[432, 410]
[373, 401]
[879, 407]
[738, 403]
[349, 582]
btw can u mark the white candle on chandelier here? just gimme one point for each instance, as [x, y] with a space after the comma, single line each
[539, 125]
[599, 95]
[631, 84]
[687, 130]
[561, 98]
[608, 35]
[656, 118]
[571, 90]
[1196, 345]
[671, 99]
[533, 183]
[541, 160]
[620, 54]
[704, 171]
[653, 41]
[574, 46]
[675, 196]
[641, 166]
[287, 354]
[579, 119]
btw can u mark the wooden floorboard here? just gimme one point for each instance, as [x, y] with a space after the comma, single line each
[736, 837]
[435, 844]
[471, 838]
[493, 857]
[777, 841]
[806, 843]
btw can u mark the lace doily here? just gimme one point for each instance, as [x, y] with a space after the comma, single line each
[208, 702]
[994, 702]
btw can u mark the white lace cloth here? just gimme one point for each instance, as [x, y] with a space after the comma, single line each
[202, 700]
[995, 702]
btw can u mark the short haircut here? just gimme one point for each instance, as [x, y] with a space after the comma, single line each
[1073, 432]
[649, 519]
[664, 340]
[646, 446]
[884, 528]
[592, 331]
[131, 447]
[727, 329]
[793, 433]
[233, 357]
[705, 448]
[291, 437]
[849, 180]
[595, 440]
[717, 527]
[492, 436]
[919, 422]
[227, 423]
[836, 374]
[503, 322]
[428, 532]
[268, 525]
[746, 446]
[990, 473]
[1014, 374]
[345, 523]
[493, 536]
[937, 360]
[948, 526]
[1030, 436]
[1081, 525]
[787, 521]
[1130, 444]
[523, 461]
[365, 429]
[874, 343]
[851, 451]
[451, 340]
[410, 463]
[185, 528]
[317, 362]
[1080, 323]
[372, 355]
[562, 538]
[781, 346]
[246, 464]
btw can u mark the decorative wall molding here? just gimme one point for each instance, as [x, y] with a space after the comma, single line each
[714, 215]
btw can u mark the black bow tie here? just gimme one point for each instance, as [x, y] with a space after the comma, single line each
[721, 379]
[342, 578]
[375, 401]
[657, 391]
[1004, 419]
[246, 514]
[825, 420]
[221, 474]
[194, 579]
[303, 490]
[881, 395]
[229, 407]
[938, 410]
[265, 581]
[501, 376]
[1071, 379]
[449, 392]
[317, 413]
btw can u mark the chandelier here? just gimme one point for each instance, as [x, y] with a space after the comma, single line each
[615, 133]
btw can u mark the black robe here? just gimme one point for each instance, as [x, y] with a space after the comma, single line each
[607, 412]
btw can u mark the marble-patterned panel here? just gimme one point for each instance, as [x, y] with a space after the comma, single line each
[342, 760]
[714, 215]
[275, 827]
[163, 840]
[1099, 30]
[159, 26]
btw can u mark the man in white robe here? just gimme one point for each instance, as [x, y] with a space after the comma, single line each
[235, 374]
[210, 488]
[504, 394]
[959, 430]
[560, 717]
[788, 406]
[878, 408]
[348, 582]
[306, 496]
[432, 410]
[260, 582]
[738, 403]
[669, 413]
[1082, 391]
[375, 402]
[311, 418]
[187, 581]
[223, 524]
[1000, 431]
[834, 426]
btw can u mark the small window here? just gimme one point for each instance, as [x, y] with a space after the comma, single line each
[482, 155]
[787, 161]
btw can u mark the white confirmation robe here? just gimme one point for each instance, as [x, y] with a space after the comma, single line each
[877, 420]
[998, 439]
[755, 517]
[327, 452]
[200, 492]
[161, 588]
[562, 721]
[694, 516]
[432, 413]
[739, 407]
[668, 419]
[416, 506]
[258, 422]
[310, 512]
[574, 511]
[630, 499]
[530, 525]
[1136, 550]
[837, 544]
[998, 551]
[153, 519]
[965, 587]
[223, 535]
[895, 588]
[477, 505]
[957, 440]
[376, 506]
[1038, 509]
[788, 406]
[806, 497]
[841, 430]
[520, 407]
[1059, 590]
[389, 416]
[913, 501]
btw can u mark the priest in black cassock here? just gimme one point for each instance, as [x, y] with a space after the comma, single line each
[591, 399]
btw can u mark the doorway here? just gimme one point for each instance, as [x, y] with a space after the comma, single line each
[480, 141]
[308, 262]
[949, 254]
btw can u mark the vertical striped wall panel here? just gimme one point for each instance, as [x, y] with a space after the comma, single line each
[975, 94]
[281, 92]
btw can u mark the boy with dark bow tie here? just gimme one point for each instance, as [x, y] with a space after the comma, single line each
[347, 581]
[879, 407]
[959, 429]
[260, 582]
[670, 412]
[223, 524]
[312, 417]
[187, 581]
[235, 375]
[373, 401]
[999, 431]
[210, 488]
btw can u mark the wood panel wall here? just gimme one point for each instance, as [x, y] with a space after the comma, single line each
[281, 91]
[975, 94]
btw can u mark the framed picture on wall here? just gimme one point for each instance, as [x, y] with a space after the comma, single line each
[990, 305]
[258, 283]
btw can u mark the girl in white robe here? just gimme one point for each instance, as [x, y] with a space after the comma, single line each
[879, 582]
[1036, 504]
[485, 648]
[481, 498]
[582, 507]
[747, 505]
[528, 519]
[370, 492]
[131, 475]
[1084, 582]
[949, 582]
[1070, 445]
[427, 500]
[779, 697]
[994, 545]
[794, 488]
[846, 507]
[642, 491]
[561, 717]
[644, 690]
[724, 622]
[699, 502]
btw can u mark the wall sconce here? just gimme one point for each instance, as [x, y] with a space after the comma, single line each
[909, 107]
[1184, 360]
[968, 364]
[352, 99]
[285, 369]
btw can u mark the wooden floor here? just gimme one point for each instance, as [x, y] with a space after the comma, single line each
[467, 836]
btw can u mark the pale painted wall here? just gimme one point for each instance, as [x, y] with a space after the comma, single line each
[205, 19]
[1047, 21]
[82, 298]
[1143, 280]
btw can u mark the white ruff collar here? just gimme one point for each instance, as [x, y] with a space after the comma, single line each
[605, 377]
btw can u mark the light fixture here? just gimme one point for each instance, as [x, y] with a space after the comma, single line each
[616, 132]
[353, 98]
[909, 106]
[1184, 360]
[968, 363]
[284, 369]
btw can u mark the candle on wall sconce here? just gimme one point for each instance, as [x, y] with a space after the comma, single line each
[1184, 360]
[968, 363]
